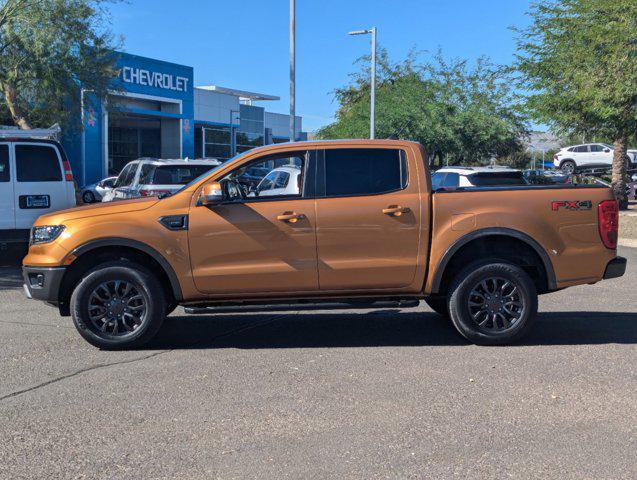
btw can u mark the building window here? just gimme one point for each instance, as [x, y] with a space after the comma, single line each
[214, 142]
[246, 141]
[251, 131]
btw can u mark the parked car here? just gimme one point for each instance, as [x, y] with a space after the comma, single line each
[279, 181]
[152, 177]
[365, 229]
[462, 177]
[589, 156]
[96, 191]
[35, 178]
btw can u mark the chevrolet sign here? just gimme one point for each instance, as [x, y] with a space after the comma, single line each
[165, 81]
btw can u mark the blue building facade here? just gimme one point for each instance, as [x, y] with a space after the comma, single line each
[154, 110]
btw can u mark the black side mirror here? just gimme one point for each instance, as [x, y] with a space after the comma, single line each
[607, 150]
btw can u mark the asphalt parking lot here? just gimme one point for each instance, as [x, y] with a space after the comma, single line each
[353, 394]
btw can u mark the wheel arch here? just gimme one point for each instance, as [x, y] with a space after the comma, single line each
[440, 277]
[114, 247]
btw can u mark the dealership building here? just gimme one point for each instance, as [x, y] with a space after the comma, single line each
[154, 110]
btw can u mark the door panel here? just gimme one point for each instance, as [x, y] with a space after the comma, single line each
[360, 247]
[366, 241]
[242, 248]
[7, 205]
[39, 173]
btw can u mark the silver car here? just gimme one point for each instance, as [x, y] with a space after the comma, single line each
[96, 191]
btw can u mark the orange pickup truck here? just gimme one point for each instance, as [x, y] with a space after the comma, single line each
[323, 224]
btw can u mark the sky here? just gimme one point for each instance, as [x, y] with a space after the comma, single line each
[244, 44]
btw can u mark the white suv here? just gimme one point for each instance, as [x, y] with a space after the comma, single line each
[450, 178]
[285, 180]
[587, 156]
[150, 177]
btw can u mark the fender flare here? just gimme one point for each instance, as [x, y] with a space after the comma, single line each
[501, 231]
[137, 245]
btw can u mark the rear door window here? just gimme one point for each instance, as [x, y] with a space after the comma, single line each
[5, 172]
[281, 180]
[581, 149]
[364, 171]
[37, 163]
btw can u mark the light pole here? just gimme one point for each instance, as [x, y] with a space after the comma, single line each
[372, 122]
[292, 70]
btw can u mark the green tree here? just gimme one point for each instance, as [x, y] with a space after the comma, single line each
[579, 63]
[49, 50]
[460, 114]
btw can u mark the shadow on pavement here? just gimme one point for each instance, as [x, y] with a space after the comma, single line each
[377, 329]
[10, 261]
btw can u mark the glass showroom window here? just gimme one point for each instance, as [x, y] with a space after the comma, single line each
[217, 142]
[246, 141]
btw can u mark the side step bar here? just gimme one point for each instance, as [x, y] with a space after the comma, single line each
[284, 307]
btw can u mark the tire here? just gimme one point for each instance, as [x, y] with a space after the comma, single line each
[438, 305]
[568, 167]
[88, 197]
[137, 313]
[171, 307]
[507, 286]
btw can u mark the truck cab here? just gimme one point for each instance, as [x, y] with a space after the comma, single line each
[363, 228]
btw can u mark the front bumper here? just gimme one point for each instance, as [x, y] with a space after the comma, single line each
[615, 268]
[43, 283]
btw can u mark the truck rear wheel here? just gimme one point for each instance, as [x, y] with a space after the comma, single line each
[118, 305]
[493, 304]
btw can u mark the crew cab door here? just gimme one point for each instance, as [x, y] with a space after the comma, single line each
[257, 243]
[368, 219]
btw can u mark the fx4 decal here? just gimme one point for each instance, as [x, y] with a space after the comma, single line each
[572, 205]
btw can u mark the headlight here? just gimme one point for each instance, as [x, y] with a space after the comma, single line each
[45, 234]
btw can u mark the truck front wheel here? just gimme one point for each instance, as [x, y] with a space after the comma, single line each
[118, 305]
[493, 304]
[438, 305]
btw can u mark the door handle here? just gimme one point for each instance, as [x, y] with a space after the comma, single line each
[396, 210]
[290, 217]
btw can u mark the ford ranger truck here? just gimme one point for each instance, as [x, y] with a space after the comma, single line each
[358, 226]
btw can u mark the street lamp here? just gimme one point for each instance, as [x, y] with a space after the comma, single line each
[292, 70]
[373, 80]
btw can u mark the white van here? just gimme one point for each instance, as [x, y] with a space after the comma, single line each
[35, 178]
